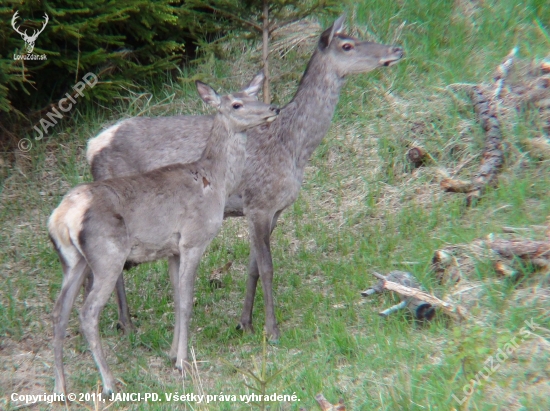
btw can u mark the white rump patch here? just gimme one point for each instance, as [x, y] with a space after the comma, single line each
[65, 223]
[102, 140]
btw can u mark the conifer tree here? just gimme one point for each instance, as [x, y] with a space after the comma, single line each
[258, 17]
[123, 43]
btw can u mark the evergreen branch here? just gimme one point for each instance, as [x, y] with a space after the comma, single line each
[235, 17]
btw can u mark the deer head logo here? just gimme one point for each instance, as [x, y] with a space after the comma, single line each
[29, 40]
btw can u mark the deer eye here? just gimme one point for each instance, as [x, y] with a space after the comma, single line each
[347, 46]
[237, 106]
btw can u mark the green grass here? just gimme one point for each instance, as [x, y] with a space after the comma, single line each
[362, 209]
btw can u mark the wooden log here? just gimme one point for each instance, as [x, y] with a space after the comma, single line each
[418, 157]
[524, 249]
[442, 259]
[451, 185]
[446, 267]
[535, 252]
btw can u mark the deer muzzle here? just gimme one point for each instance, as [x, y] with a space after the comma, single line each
[396, 53]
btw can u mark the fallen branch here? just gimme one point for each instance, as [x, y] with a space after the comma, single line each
[502, 72]
[456, 312]
[420, 309]
[493, 156]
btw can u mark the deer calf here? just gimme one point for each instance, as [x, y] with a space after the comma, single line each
[174, 211]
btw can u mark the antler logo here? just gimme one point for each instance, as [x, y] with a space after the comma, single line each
[29, 40]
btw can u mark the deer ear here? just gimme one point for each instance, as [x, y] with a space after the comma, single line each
[255, 85]
[328, 34]
[208, 95]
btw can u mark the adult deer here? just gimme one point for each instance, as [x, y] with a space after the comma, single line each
[276, 153]
[173, 212]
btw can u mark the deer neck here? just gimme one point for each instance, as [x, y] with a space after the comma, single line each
[225, 154]
[314, 105]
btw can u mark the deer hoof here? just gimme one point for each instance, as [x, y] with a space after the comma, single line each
[245, 327]
[183, 365]
[108, 390]
[126, 329]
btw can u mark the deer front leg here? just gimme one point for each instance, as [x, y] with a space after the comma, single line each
[188, 264]
[260, 227]
[124, 320]
[173, 270]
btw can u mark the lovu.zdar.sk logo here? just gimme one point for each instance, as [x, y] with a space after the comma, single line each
[29, 39]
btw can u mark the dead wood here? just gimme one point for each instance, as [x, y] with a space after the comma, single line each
[217, 275]
[504, 270]
[537, 252]
[419, 308]
[418, 157]
[538, 148]
[446, 267]
[503, 252]
[493, 156]
[452, 310]
[327, 406]
[502, 72]
[452, 185]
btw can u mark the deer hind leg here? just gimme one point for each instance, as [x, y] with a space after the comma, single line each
[106, 268]
[261, 226]
[73, 276]
[173, 269]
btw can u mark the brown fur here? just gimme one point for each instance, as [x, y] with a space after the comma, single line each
[166, 213]
[277, 153]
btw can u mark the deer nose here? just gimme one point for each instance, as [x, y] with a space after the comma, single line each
[275, 109]
[398, 51]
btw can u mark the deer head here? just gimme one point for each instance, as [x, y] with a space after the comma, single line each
[29, 40]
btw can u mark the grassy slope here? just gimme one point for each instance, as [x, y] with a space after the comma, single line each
[361, 209]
